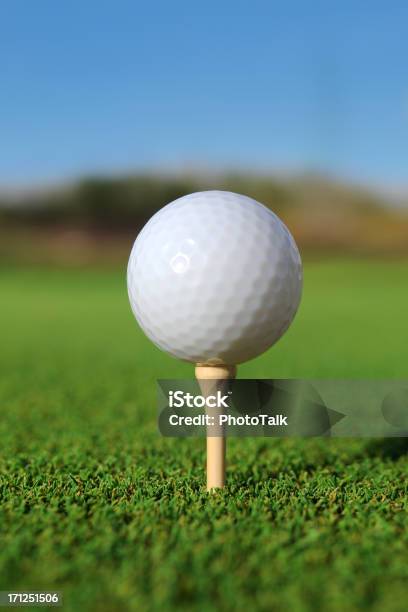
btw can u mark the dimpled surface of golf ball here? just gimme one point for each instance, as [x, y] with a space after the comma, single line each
[214, 278]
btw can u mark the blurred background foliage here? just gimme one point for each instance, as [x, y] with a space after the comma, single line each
[96, 218]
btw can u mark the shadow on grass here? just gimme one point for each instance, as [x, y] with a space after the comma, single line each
[391, 448]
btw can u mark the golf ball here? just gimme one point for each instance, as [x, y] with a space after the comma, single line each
[214, 278]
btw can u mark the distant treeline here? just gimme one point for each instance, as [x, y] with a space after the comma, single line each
[119, 203]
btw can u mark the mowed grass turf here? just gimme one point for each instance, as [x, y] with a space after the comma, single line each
[94, 503]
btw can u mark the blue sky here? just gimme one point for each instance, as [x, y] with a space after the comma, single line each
[282, 86]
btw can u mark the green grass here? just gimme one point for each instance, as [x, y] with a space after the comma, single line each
[93, 502]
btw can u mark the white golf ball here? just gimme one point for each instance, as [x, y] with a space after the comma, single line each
[214, 278]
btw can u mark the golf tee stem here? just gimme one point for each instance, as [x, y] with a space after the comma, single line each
[211, 379]
[216, 462]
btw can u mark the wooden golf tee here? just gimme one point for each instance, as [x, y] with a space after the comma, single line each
[212, 379]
